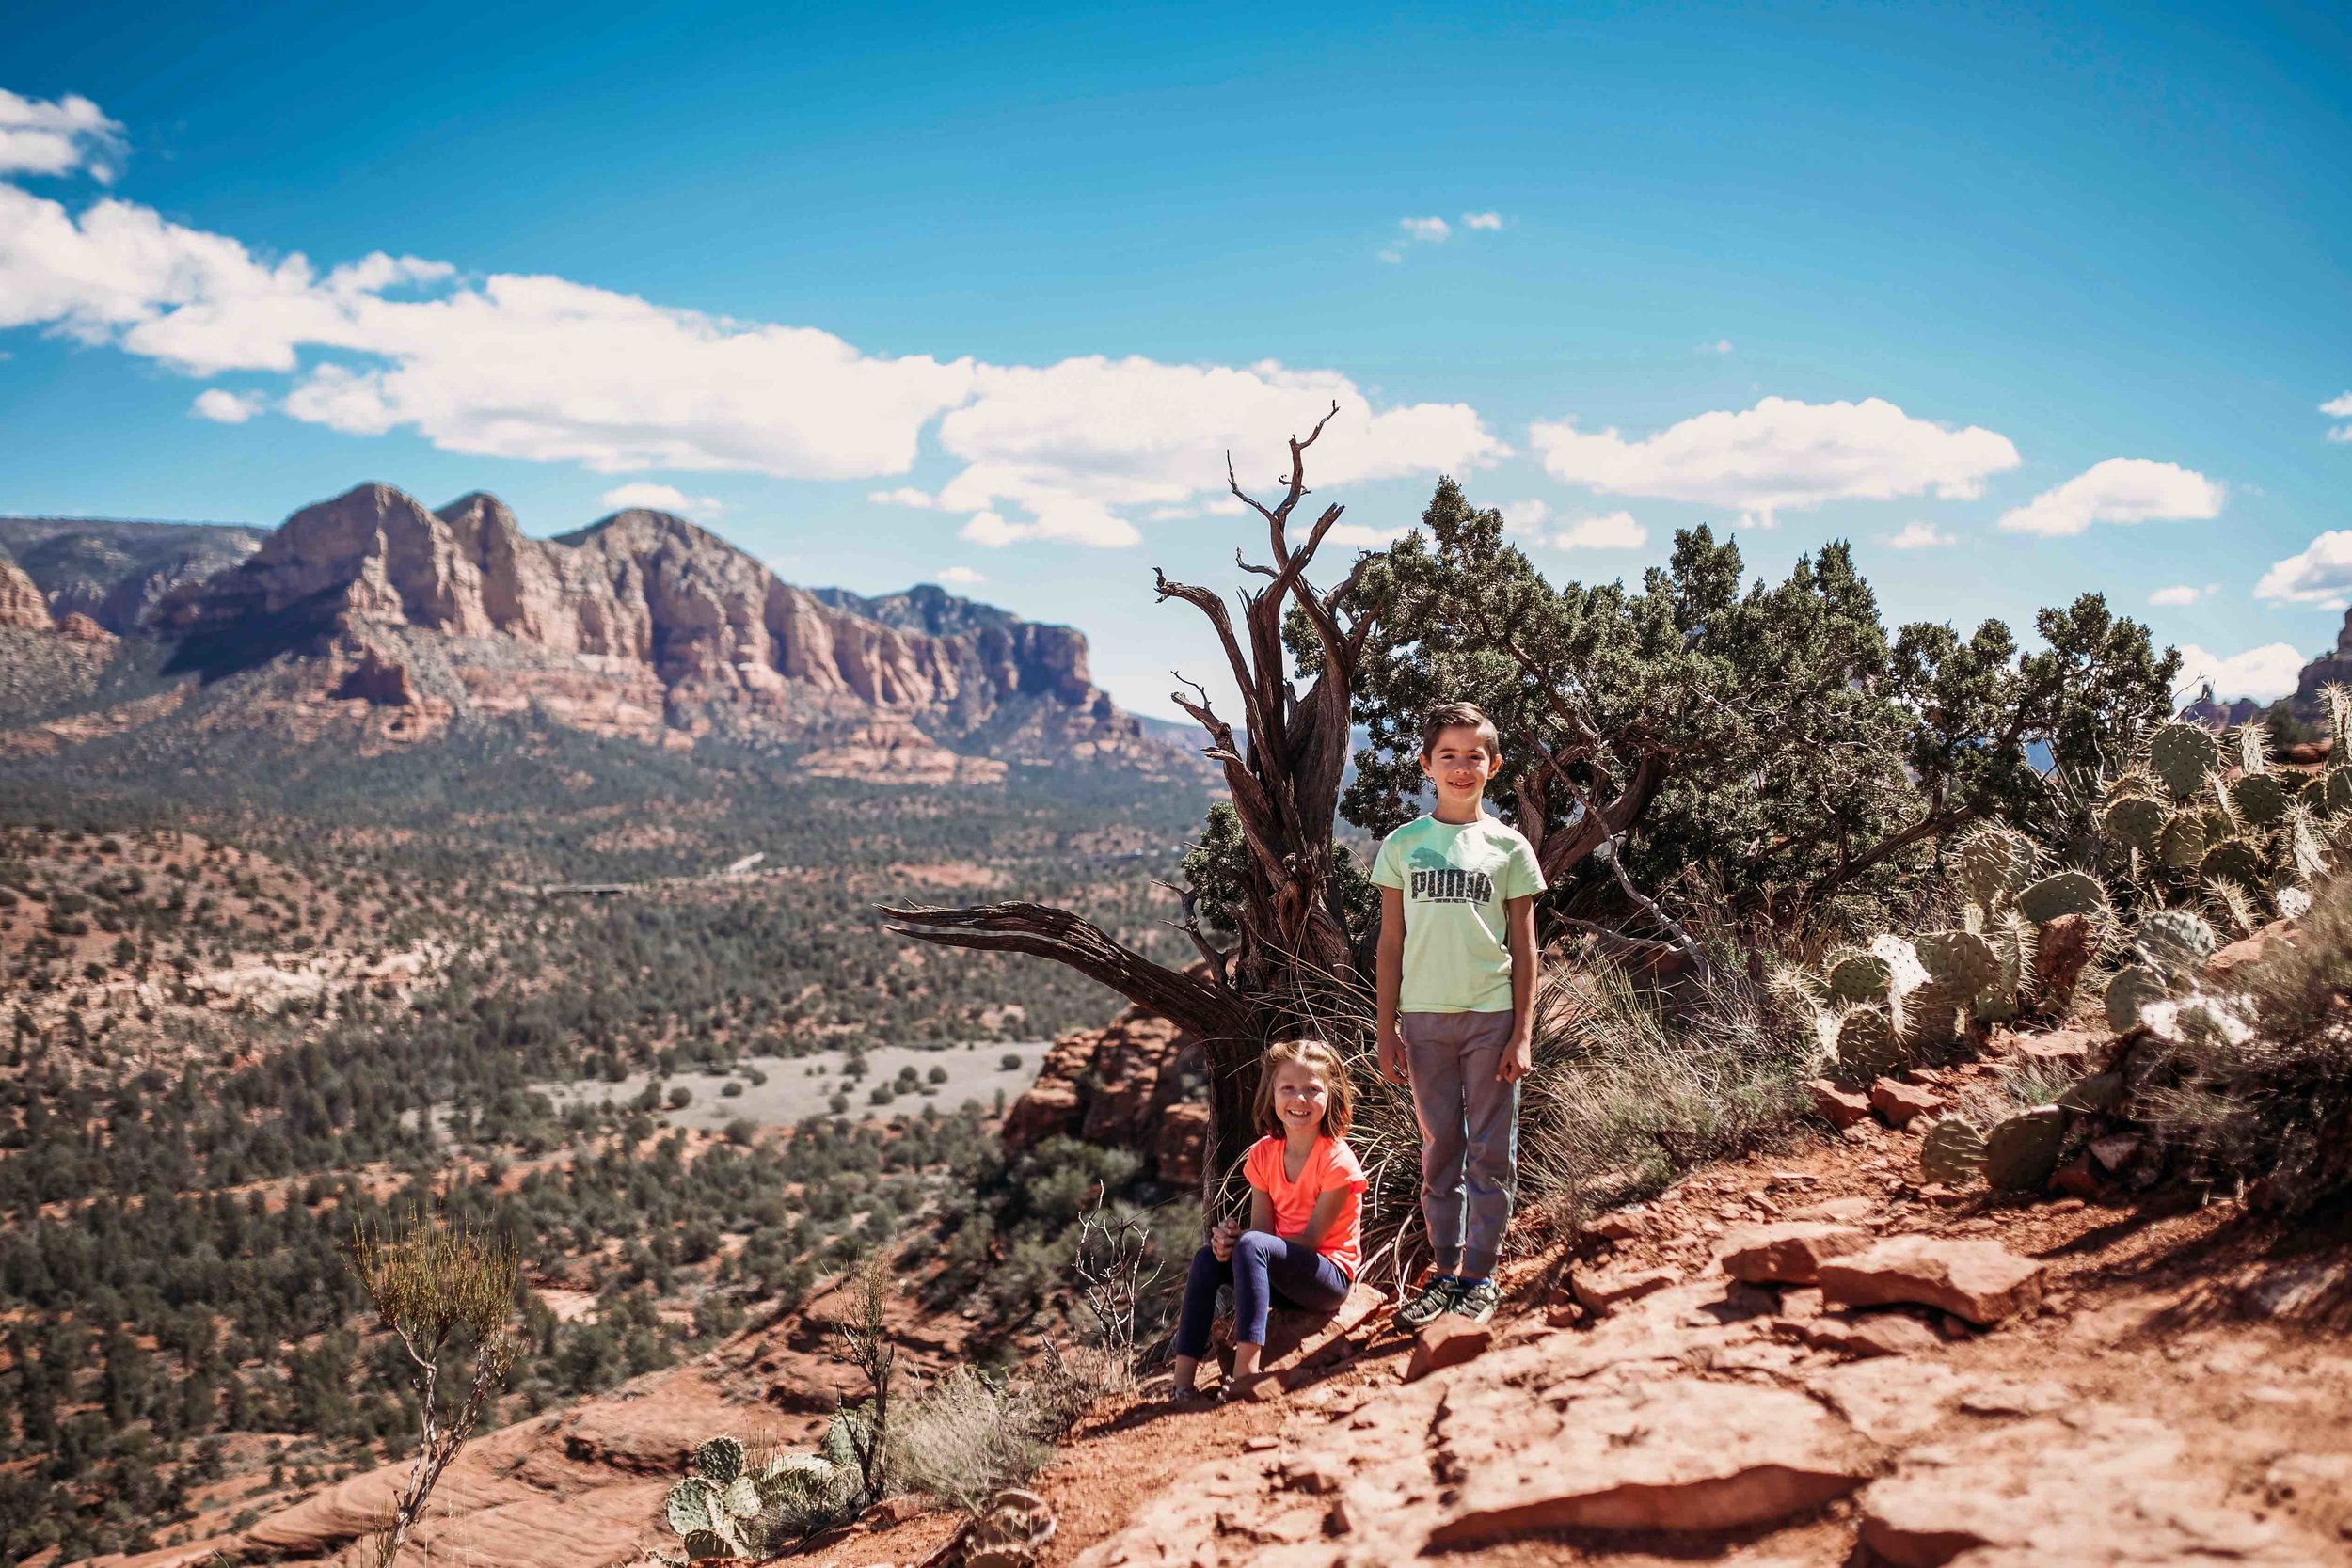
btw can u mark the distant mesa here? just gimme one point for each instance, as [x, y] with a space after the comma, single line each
[640, 625]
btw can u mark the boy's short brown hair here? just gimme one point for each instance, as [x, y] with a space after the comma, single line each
[1460, 716]
[1339, 1109]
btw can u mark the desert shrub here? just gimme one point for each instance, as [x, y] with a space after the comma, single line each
[2259, 1086]
[965, 1439]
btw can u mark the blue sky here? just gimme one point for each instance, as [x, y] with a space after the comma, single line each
[2023, 302]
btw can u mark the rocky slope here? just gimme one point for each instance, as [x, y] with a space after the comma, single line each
[641, 625]
[116, 572]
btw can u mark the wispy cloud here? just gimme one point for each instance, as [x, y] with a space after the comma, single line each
[65, 135]
[1482, 220]
[2118, 490]
[662, 498]
[2339, 408]
[2318, 574]
[2181, 593]
[906, 495]
[1363, 536]
[547, 370]
[1425, 231]
[227, 407]
[960, 577]
[1781, 455]
[1720, 345]
[1532, 519]
[2263, 673]
[1920, 536]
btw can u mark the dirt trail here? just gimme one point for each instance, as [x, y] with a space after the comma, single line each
[2181, 1394]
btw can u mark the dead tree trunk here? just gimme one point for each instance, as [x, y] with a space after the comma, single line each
[1295, 959]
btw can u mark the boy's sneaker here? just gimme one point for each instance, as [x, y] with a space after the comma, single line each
[1434, 1300]
[1476, 1301]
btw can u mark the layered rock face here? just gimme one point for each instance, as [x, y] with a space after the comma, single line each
[642, 593]
[22, 602]
[1128, 1085]
[115, 573]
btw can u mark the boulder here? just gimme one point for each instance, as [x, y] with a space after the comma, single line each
[1299, 1344]
[1901, 1103]
[1841, 1108]
[1861, 1334]
[1449, 1341]
[1681, 1454]
[1973, 1278]
[1789, 1252]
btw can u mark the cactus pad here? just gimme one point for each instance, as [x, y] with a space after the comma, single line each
[1991, 864]
[1962, 961]
[693, 1504]
[1952, 1152]
[2067, 893]
[2335, 793]
[719, 1461]
[2184, 755]
[2234, 860]
[2098, 1092]
[703, 1544]
[2172, 941]
[2130, 991]
[2135, 820]
[2260, 799]
[1867, 1046]
[1858, 976]
[2181, 843]
[2021, 1154]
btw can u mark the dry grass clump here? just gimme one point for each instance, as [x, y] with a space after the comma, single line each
[1632, 1085]
[2260, 1087]
[968, 1437]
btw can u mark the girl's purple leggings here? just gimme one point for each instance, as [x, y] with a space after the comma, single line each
[1263, 1266]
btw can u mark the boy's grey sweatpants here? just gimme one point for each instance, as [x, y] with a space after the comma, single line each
[1469, 1134]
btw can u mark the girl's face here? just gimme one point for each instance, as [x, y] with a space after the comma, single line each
[1300, 1097]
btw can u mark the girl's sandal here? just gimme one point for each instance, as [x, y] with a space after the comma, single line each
[1187, 1399]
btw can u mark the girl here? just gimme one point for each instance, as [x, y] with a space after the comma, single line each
[1306, 1200]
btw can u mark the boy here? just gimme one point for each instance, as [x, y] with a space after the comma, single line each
[1456, 1004]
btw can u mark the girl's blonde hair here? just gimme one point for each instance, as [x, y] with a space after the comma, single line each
[1339, 1108]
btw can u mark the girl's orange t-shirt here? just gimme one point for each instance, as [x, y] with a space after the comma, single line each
[1330, 1165]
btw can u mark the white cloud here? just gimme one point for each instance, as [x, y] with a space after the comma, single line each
[1781, 453]
[44, 136]
[1720, 345]
[906, 495]
[2339, 408]
[227, 407]
[2320, 572]
[1077, 444]
[2180, 594]
[1482, 220]
[1425, 231]
[2118, 490]
[1361, 536]
[960, 577]
[1920, 536]
[1392, 255]
[1614, 531]
[547, 370]
[662, 498]
[2263, 673]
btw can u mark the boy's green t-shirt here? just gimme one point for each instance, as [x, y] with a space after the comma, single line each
[1457, 878]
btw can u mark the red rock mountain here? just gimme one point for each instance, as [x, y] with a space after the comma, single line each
[642, 624]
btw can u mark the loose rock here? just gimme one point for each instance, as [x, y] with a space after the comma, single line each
[1447, 1343]
[1902, 1103]
[1841, 1108]
[1980, 1280]
[1789, 1253]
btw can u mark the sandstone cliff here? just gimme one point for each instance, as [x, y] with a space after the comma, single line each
[115, 572]
[1131, 1085]
[22, 602]
[641, 623]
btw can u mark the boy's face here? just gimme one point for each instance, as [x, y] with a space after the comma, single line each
[1459, 764]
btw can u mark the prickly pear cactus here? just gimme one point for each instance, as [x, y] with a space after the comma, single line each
[1867, 1046]
[1990, 863]
[2260, 799]
[2174, 942]
[2130, 991]
[1856, 976]
[2235, 860]
[2135, 820]
[1953, 1151]
[2021, 1154]
[2180, 843]
[2184, 755]
[1962, 961]
[2335, 791]
[695, 1504]
[703, 1545]
[719, 1461]
[2065, 892]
